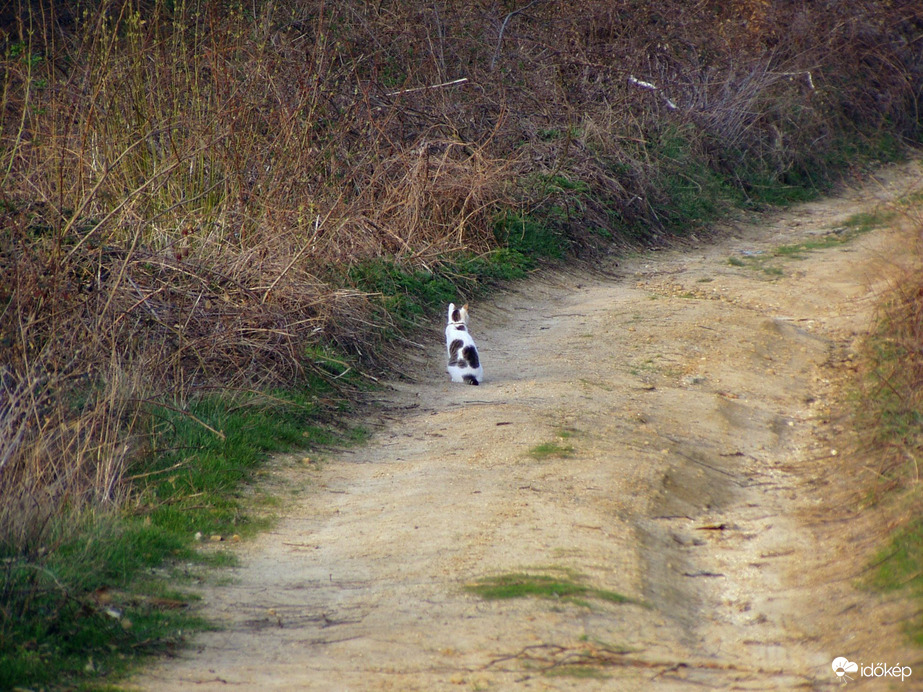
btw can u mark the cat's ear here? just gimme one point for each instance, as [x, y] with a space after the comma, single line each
[464, 312]
[451, 310]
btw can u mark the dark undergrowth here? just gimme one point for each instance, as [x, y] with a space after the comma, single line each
[219, 217]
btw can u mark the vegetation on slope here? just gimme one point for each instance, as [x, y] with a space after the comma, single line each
[890, 421]
[213, 213]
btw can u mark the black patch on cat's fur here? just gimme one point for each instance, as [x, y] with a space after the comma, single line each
[453, 351]
[456, 315]
[460, 327]
[471, 379]
[471, 354]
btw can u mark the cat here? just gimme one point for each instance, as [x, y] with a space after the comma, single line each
[464, 363]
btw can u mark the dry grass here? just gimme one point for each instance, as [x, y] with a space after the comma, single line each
[59, 454]
[182, 185]
[891, 414]
[890, 425]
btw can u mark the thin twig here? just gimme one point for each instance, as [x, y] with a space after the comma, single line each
[186, 413]
[506, 21]
[139, 476]
[454, 82]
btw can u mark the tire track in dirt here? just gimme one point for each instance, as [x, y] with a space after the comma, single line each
[689, 465]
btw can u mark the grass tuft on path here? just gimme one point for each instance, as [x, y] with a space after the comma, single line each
[560, 584]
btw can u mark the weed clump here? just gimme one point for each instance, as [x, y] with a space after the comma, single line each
[559, 584]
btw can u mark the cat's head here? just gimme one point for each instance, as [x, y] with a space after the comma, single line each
[458, 315]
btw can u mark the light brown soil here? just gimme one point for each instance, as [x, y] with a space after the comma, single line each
[702, 471]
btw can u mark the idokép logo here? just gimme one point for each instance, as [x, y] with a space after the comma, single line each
[842, 667]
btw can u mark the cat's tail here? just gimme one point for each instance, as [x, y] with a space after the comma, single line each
[471, 379]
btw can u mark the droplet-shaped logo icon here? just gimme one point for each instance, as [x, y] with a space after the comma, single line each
[842, 666]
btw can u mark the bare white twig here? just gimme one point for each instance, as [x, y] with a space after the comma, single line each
[644, 85]
[651, 87]
[801, 73]
[431, 86]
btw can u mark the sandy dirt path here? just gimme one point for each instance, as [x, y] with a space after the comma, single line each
[667, 430]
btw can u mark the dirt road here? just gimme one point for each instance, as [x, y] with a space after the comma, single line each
[667, 431]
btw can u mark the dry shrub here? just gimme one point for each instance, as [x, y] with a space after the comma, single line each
[438, 198]
[750, 81]
[183, 184]
[181, 190]
[63, 446]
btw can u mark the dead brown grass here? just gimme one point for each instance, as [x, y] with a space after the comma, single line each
[891, 414]
[182, 186]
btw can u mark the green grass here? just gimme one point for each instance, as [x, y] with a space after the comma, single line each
[863, 222]
[693, 194]
[762, 185]
[901, 563]
[208, 449]
[88, 608]
[409, 296]
[852, 228]
[812, 172]
[535, 236]
[561, 584]
[405, 294]
[765, 189]
[547, 450]
[556, 448]
[101, 589]
[899, 567]
[561, 183]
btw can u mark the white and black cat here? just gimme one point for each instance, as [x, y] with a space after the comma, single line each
[464, 362]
